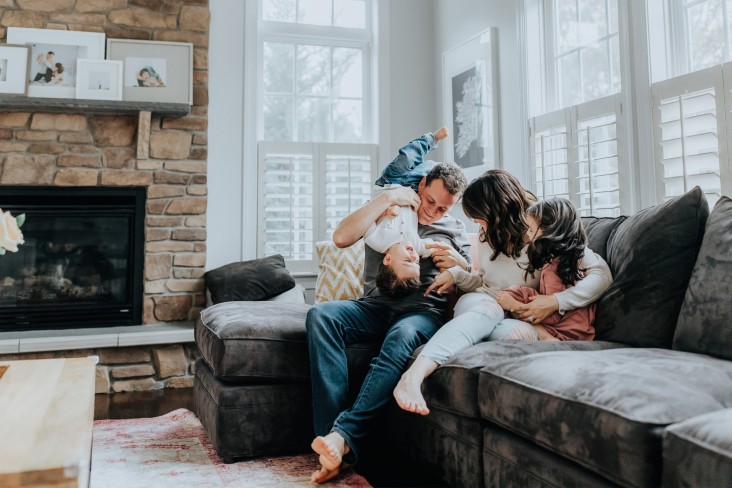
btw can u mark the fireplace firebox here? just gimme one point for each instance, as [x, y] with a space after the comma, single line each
[82, 261]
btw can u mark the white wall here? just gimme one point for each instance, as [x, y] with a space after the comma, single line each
[417, 32]
[225, 119]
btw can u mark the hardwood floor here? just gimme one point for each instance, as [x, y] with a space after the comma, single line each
[380, 464]
[142, 404]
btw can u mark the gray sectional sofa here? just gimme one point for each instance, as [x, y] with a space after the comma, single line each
[649, 403]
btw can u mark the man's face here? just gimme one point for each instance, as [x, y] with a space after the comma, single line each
[50, 56]
[436, 201]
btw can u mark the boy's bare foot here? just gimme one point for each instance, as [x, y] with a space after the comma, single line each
[441, 133]
[409, 397]
[331, 449]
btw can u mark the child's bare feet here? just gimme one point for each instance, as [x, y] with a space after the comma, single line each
[441, 133]
[408, 394]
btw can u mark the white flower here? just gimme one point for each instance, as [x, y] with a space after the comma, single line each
[10, 234]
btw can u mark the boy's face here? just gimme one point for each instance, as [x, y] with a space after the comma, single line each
[436, 201]
[404, 260]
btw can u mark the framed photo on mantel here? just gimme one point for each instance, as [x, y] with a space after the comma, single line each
[52, 71]
[154, 71]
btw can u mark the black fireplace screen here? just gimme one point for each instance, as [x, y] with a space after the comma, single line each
[81, 263]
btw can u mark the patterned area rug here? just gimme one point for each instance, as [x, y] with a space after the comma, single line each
[173, 451]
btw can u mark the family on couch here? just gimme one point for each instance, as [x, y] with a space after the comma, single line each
[523, 245]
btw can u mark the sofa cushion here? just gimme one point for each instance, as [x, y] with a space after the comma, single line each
[705, 321]
[599, 230]
[454, 385]
[651, 255]
[698, 451]
[257, 279]
[265, 342]
[605, 410]
[340, 271]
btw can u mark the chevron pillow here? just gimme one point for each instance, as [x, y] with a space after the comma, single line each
[341, 272]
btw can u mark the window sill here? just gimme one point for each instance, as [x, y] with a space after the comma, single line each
[70, 339]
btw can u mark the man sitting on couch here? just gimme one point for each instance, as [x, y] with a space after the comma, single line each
[401, 323]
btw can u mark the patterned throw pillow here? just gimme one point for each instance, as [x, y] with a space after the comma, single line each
[340, 275]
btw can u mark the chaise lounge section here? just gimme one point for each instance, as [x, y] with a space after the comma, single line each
[646, 404]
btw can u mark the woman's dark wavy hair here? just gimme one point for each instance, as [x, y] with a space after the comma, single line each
[498, 198]
[563, 237]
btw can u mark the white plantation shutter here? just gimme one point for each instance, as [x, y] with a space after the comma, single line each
[348, 183]
[597, 163]
[576, 156]
[688, 121]
[551, 155]
[305, 191]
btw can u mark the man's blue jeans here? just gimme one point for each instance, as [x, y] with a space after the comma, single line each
[331, 326]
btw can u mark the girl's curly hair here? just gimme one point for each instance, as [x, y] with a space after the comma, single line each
[563, 237]
[498, 198]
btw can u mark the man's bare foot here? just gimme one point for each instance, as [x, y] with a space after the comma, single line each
[322, 475]
[408, 395]
[441, 133]
[331, 449]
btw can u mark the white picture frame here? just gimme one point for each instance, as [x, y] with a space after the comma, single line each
[14, 61]
[99, 79]
[168, 67]
[471, 103]
[66, 47]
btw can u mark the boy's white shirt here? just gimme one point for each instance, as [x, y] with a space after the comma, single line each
[390, 230]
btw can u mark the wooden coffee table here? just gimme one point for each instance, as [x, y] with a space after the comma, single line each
[46, 418]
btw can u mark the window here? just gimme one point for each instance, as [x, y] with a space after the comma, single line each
[574, 134]
[576, 156]
[316, 157]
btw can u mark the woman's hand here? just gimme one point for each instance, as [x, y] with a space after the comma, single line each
[539, 308]
[443, 282]
[445, 257]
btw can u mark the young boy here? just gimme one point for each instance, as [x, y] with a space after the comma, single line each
[395, 233]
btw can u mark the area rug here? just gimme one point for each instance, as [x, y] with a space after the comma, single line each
[173, 451]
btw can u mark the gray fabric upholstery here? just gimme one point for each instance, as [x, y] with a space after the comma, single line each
[257, 279]
[510, 461]
[454, 385]
[255, 341]
[252, 420]
[598, 231]
[705, 321]
[651, 255]
[698, 452]
[604, 409]
[445, 441]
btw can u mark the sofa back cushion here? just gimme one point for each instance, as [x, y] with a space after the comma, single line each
[599, 230]
[651, 255]
[705, 321]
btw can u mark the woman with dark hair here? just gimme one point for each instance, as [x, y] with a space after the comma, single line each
[498, 203]
[557, 243]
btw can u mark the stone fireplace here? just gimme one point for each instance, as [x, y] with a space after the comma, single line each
[77, 149]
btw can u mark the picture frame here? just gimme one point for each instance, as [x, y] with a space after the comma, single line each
[154, 71]
[14, 60]
[471, 103]
[53, 54]
[99, 79]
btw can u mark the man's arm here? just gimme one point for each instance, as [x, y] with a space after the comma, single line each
[355, 225]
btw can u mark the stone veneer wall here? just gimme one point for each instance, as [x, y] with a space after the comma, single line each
[76, 149]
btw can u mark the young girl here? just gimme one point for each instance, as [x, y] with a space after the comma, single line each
[556, 246]
[498, 203]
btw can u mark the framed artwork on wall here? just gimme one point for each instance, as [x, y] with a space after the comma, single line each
[99, 79]
[471, 103]
[154, 71]
[13, 69]
[53, 56]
